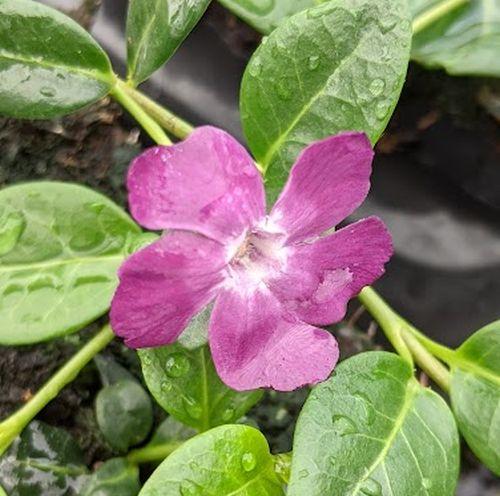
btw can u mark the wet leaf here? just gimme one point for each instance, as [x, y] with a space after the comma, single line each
[475, 393]
[116, 477]
[228, 460]
[155, 29]
[49, 65]
[463, 42]
[334, 67]
[185, 383]
[124, 414]
[372, 430]
[171, 430]
[265, 15]
[43, 461]
[62, 245]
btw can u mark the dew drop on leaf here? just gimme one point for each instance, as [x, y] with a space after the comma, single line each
[248, 462]
[47, 91]
[377, 86]
[11, 228]
[192, 407]
[313, 62]
[255, 67]
[343, 425]
[303, 474]
[227, 414]
[188, 488]
[426, 483]
[371, 488]
[177, 365]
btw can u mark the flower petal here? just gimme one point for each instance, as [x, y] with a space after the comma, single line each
[320, 278]
[163, 286]
[330, 179]
[256, 343]
[207, 183]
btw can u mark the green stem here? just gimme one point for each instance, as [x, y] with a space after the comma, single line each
[169, 121]
[407, 339]
[432, 367]
[152, 453]
[431, 15]
[12, 426]
[388, 320]
[444, 353]
[121, 95]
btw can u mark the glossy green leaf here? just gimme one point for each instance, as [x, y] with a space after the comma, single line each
[49, 65]
[185, 383]
[228, 460]
[372, 430]
[124, 414]
[110, 371]
[169, 431]
[475, 393]
[60, 248]
[339, 66]
[116, 477]
[464, 42]
[265, 15]
[43, 461]
[155, 29]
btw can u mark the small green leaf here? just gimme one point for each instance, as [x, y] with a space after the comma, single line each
[155, 29]
[49, 65]
[169, 431]
[265, 15]
[372, 430]
[335, 67]
[61, 245]
[43, 461]
[465, 41]
[124, 414]
[228, 460]
[116, 477]
[185, 383]
[475, 393]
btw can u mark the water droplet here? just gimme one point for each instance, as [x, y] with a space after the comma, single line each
[11, 227]
[427, 483]
[62, 77]
[166, 386]
[387, 23]
[283, 89]
[303, 474]
[255, 67]
[368, 410]
[95, 207]
[313, 62]
[188, 488]
[177, 365]
[228, 414]
[377, 86]
[381, 110]
[343, 425]
[248, 462]
[192, 407]
[371, 488]
[47, 91]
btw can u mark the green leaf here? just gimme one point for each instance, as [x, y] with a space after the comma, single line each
[265, 15]
[169, 431]
[116, 477]
[49, 65]
[60, 248]
[475, 393]
[43, 461]
[185, 383]
[463, 42]
[155, 29]
[124, 414]
[228, 460]
[110, 372]
[372, 430]
[339, 66]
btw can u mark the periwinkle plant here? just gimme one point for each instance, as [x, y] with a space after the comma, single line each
[234, 296]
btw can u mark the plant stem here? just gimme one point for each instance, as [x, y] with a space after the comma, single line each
[168, 120]
[407, 339]
[431, 15]
[432, 367]
[12, 426]
[388, 320]
[121, 95]
[152, 453]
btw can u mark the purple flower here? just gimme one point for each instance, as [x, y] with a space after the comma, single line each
[272, 277]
